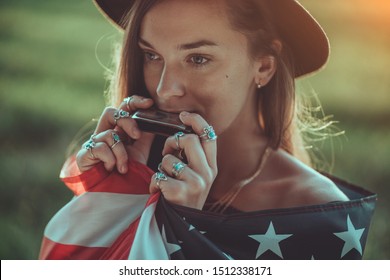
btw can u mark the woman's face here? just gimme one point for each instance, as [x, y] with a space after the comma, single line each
[194, 61]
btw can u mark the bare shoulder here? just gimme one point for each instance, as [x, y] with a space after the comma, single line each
[306, 186]
[316, 189]
[287, 182]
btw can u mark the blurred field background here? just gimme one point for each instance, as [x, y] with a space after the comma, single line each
[51, 84]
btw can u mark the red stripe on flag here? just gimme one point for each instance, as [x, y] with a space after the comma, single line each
[98, 179]
[120, 249]
[51, 250]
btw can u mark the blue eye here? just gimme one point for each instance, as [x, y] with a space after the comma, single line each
[199, 60]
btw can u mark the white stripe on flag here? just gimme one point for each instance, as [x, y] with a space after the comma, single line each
[148, 243]
[95, 219]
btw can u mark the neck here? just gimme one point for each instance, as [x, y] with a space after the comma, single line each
[240, 149]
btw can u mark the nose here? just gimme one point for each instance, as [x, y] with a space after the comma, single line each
[171, 82]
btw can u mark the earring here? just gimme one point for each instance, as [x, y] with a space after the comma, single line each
[259, 86]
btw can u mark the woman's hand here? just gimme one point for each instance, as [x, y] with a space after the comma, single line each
[116, 124]
[188, 185]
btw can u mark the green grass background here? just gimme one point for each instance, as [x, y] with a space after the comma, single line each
[51, 84]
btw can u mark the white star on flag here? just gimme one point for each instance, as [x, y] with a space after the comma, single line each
[269, 241]
[170, 247]
[192, 228]
[351, 238]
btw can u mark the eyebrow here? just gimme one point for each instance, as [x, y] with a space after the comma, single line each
[189, 46]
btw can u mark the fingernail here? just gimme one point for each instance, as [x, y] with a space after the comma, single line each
[123, 169]
[184, 114]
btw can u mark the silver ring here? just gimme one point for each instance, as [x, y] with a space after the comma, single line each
[208, 134]
[159, 176]
[92, 137]
[127, 101]
[177, 139]
[116, 139]
[120, 114]
[177, 168]
[89, 145]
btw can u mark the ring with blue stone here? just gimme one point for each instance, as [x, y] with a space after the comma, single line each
[208, 134]
[159, 176]
[89, 145]
[177, 168]
[116, 139]
[120, 114]
[177, 138]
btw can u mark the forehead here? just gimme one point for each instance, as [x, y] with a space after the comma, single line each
[181, 19]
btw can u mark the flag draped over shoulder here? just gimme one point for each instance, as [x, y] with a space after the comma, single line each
[113, 216]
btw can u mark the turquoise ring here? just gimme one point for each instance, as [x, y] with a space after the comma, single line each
[208, 134]
[89, 145]
[116, 139]
[177, 168]
[120, 114]
[159, 176]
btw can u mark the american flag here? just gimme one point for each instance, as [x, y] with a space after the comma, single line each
[113, 216]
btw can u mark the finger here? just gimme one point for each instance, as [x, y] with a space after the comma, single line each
[171, 188]
[113, 140]
[106, 120]
[86, 159]
[131, 104]
[198, 124]
[158, 179]
[135, 102]
[179, 192]
[176, 169]
[111, 116]
[193, 149]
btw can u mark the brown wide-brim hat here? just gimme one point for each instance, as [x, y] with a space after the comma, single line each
[296, 26]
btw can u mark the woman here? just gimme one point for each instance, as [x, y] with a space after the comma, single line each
[228, 68]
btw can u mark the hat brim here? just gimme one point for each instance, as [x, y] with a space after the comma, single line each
[296, 26]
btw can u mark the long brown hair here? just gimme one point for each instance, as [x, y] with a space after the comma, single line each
[277, 101]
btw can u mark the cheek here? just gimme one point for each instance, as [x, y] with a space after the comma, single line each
[151, 79]
[207, 92]
[220, 98]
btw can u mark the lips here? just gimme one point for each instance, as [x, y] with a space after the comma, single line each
[171, 111]
[175, 110]
[171, 108]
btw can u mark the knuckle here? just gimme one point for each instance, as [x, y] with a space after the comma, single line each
[209, 176]
[101, 147]
[108, 110]
[206, 179]
[199, 184]
[104, 151]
